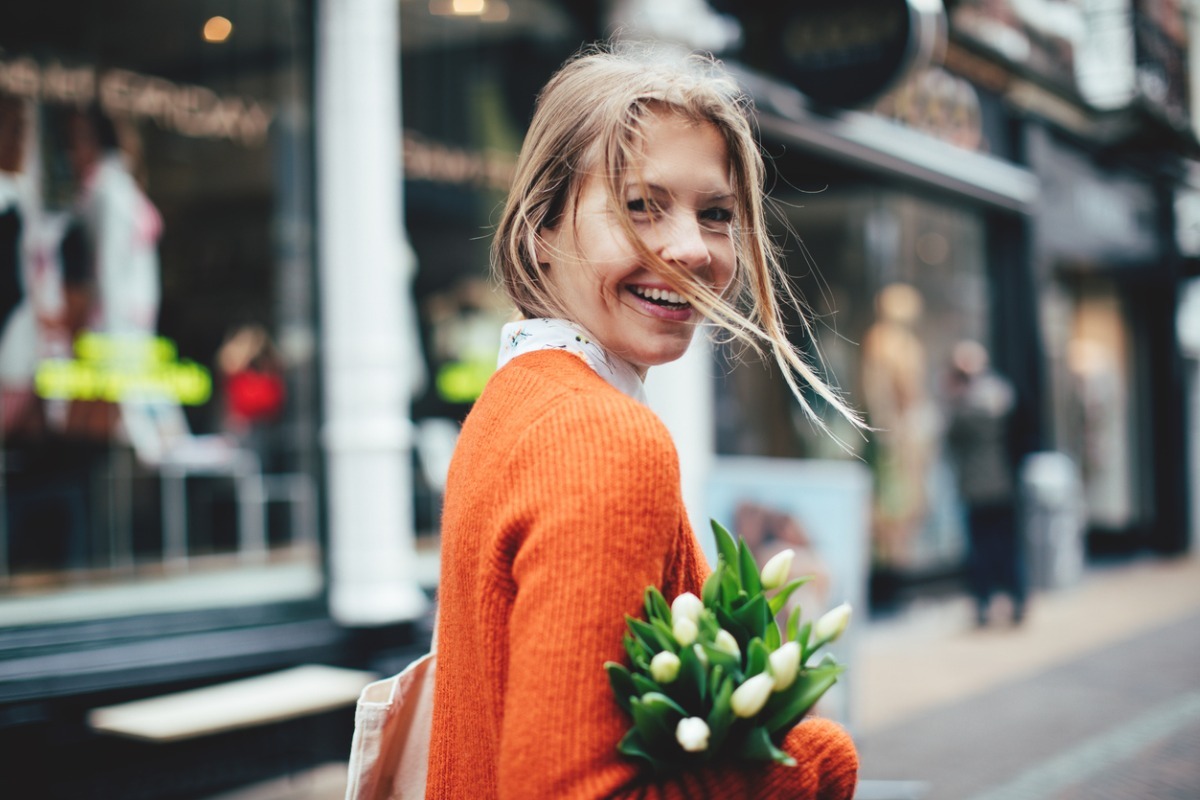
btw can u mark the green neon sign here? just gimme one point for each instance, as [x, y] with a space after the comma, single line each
[119, 368]
[463, 381]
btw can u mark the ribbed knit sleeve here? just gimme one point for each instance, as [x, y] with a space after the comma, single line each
[589, 515]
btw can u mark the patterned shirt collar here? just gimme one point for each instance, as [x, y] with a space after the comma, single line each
[530, 335]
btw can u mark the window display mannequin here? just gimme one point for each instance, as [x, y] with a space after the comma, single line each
[894, 380]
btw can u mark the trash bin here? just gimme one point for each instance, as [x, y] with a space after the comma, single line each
[1052, 513]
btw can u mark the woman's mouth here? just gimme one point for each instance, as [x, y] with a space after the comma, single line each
[662, 304]
[661, 297]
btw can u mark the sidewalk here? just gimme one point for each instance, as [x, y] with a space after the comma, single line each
[933, 655]
[1097, 696]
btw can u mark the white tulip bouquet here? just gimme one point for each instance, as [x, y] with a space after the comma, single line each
[714, 676]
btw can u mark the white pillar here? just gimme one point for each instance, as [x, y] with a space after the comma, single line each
[681, 393]
[366, 314]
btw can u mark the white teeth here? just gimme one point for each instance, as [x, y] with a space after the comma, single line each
[665, 295]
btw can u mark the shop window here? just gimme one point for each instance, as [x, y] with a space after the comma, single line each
[892, 282]
[156, 361]
[1098, 414]
[470, 75]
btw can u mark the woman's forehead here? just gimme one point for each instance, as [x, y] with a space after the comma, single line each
[675, 149]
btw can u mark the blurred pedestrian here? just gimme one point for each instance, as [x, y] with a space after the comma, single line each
[980, 410]
[253, 382]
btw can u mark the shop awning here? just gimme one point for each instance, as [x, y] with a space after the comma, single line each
[881, 146]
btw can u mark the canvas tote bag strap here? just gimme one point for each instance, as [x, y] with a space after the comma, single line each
[389, 755]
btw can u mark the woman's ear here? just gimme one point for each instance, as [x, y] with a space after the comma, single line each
[545, 247]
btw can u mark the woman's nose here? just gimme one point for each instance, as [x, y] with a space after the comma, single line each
[684, 244]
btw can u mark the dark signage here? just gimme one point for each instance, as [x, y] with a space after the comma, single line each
[1160, 33]
[848, 52]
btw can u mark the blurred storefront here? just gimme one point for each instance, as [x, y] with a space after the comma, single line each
[162, 318]
[1103, 92]
[159, 512]
[906, 223]
[1018, 190]
[210, 467]
[469, 83]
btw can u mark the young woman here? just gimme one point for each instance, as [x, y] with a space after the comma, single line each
[636, 214]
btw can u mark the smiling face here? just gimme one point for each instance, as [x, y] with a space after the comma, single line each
[679, 197]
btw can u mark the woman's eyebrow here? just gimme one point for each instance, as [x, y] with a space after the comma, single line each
[719, 195]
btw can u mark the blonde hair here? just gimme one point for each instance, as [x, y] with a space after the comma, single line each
[591, 116]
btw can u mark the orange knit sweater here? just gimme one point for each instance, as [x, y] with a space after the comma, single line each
[563, 504]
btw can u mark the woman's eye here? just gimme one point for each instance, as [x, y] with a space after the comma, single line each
[641, 205]
[717, 215]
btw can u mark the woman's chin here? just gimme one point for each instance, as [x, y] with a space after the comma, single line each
[660, 355]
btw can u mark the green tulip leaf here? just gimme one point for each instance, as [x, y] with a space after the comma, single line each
[748, 569]
[656, 606]
[643, 635]
[730, 623]
[772, 637]
[638, 655]
[708, 594]
[720, 716]
[793, 626]
[729, 587]
[727, 661]
[757, 658]
[621, 682]
[739, 601]
[692, 684]
[791, 705]
[753, 616]
[666, 634]
[802, 637]
[643, 685]
[757, 746]
[654, 639]
[781, 597]
[656, 716]
[708, 624]
[649, 725]
[634, 746]
[726, 548]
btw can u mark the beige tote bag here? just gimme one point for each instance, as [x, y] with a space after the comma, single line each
[389, 754]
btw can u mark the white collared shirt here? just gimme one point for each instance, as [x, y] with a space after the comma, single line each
[531, 335]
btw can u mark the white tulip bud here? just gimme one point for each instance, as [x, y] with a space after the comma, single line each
[749, 698]
[688, 606]
[701, 656]
[726, 642]
[776, 571]
[664, 667]
[685, 631]
[692, 734]
[831, 624]
[785, 663]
